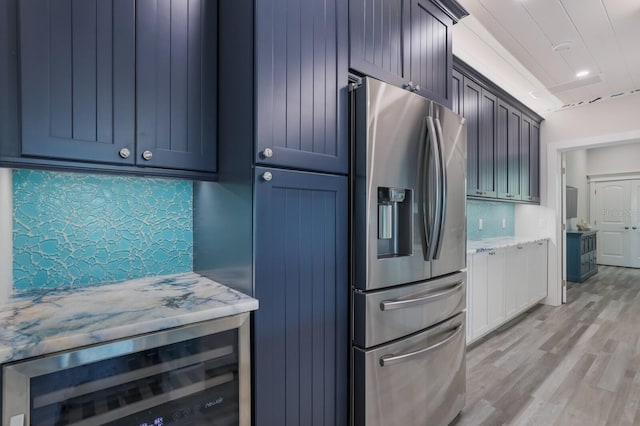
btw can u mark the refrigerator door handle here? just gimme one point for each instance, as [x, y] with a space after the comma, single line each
[443, 188]
[389, 360]
[434, 206]
[388, 305]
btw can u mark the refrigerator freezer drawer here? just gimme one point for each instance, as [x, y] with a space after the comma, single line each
[416, 381]
[390, 314]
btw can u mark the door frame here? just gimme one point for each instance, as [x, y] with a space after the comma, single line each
[554, 198]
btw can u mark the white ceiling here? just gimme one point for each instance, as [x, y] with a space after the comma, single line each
[604, 37]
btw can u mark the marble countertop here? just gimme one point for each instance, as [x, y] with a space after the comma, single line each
[44, 322]
[500, 242]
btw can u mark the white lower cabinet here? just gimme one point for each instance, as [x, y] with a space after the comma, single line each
[486, 290]
[537, 271]
[517, 279]
[502, 283]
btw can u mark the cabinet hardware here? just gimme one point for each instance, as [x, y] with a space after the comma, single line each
[492, 253]
[519, 247]
[147, 155]
[626, 227]
[124, 153]
[267, 153]
[267, 176]
[633, 227]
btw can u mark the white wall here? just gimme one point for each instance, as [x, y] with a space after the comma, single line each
[6, 234]
[615, 159]
[576, 166]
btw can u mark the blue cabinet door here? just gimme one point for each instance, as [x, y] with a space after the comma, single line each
[525, 166]
[403, 42]
[301, 82]
[77, 71]
[431, 59]
[534, 163]
[300, 346]
[379, 39]
[176, 81]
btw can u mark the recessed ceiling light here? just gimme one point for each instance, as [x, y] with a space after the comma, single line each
[562, 46]
[582, 73]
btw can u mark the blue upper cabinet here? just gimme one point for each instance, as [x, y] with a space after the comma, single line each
[301, 84]
[406, 43]
[176, 74]
[301, 330]
[78, 79]
[116, 85]
[379, 39]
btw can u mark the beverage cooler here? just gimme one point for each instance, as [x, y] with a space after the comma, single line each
[191, 375]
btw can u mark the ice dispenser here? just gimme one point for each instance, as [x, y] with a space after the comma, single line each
[394, 222]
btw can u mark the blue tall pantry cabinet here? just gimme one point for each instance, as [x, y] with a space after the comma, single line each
[275, 225]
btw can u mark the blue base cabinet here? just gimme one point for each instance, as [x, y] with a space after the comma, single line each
[301, 329]
[581, 255]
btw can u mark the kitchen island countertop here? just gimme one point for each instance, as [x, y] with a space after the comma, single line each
[47, 321]
[489, 244]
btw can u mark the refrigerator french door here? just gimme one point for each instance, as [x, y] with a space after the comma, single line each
[409, 252]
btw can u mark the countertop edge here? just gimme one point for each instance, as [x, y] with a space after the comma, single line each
[489, 244]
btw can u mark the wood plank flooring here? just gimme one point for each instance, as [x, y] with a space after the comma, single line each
[576, 364]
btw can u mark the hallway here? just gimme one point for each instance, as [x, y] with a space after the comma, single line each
[577, 364]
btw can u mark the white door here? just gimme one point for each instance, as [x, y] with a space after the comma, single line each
[612, 220]
[634, 232]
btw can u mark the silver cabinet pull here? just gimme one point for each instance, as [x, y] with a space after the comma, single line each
[389, 360]
[147, 155]
[388, 305]
[267, 153]
[267, 176]
[124, 153]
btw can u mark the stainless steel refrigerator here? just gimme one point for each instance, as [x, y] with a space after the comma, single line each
[408, 252]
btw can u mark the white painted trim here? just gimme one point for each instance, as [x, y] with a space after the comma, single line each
[555, 194]
[6, 234]
[613, 177]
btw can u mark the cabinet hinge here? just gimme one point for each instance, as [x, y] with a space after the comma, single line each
[564, 283]
[564, 227]
[564, 171]
[354, 82]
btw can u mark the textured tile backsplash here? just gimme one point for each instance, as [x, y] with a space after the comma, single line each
[75, 229]
[492, 214]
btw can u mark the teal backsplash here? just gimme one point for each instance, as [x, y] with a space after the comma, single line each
[492, 213]
[72, 229]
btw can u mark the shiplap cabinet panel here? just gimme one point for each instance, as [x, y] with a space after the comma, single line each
[301, 329]
[403, 42]
[77, 79]
[301, 84]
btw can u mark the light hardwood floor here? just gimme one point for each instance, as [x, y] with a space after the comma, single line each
[577, 364]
